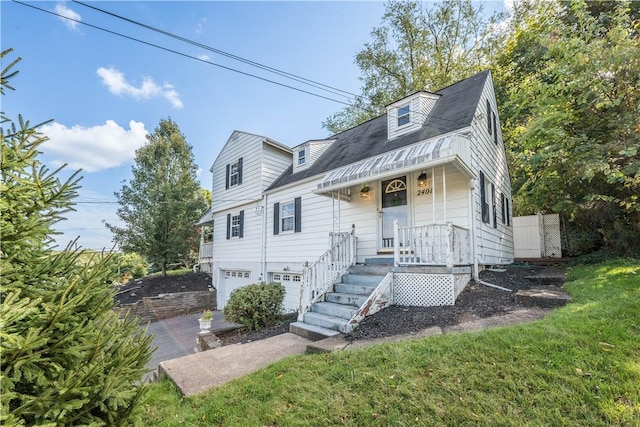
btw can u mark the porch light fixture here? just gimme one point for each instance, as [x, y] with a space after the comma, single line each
[365, 194]
[423, 180]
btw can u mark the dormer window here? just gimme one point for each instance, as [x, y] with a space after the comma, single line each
[302, 157]
[403, 115]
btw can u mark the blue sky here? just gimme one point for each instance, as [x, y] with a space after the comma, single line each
[106, 92]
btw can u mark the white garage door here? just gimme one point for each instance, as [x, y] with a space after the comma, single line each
[234, 279]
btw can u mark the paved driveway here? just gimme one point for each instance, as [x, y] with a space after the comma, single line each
[176, 337]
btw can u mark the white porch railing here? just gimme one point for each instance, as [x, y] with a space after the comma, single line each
[435, 244]
[206, 251]
[318, 277]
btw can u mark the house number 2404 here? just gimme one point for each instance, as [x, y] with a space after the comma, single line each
[423, 191]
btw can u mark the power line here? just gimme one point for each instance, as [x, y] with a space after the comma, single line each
[183, 54]
[292, 76]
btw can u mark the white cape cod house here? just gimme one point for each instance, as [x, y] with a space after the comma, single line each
[403, 209]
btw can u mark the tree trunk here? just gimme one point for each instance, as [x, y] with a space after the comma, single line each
[164, 269]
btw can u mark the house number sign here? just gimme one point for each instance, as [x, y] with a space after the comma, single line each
[424, 191]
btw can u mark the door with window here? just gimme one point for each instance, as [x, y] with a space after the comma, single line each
[394, 207]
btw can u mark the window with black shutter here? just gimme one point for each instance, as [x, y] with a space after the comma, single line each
[235, 225]
[489, 117]
[287, 216]
[484, 204]
[234, 174]
[494, 206]
[495, 129]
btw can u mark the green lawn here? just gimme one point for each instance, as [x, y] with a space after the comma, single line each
[580, 366]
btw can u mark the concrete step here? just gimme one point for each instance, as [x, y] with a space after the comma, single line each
[330, 322]
[333, 309]
[371, 269]
[380, 261]
[357, 289]
[312, 332]
[546, 297]
[547, 279]
[362, 279]
[346, 299]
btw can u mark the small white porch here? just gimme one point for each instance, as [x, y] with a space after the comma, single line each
[430, 268]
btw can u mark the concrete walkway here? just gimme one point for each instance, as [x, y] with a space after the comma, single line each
[201, 371]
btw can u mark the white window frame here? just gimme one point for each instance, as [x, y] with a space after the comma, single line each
[404, 116]
[235, 225]
[291, 215]
[234, 174]
[302, 157]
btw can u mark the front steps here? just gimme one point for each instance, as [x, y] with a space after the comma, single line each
[332, 316]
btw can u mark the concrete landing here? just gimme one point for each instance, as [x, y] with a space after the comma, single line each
[201, 371]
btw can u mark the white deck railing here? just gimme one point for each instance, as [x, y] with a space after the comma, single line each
[435, 244]
[318, 277]
[206, 251]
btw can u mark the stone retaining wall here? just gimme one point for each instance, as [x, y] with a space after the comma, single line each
[164, 306]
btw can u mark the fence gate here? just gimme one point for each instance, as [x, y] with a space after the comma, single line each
[537, 236]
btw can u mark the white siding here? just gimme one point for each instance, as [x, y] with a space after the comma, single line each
[249, 148]
[313, 150]
[420, 105]
[274, 163]
[494, 245]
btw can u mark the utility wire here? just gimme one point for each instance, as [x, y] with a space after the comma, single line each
[295, 77]
[183, 54]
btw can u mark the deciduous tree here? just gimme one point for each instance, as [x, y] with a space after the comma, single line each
[569, 85]
[163, 201]
[416, 49]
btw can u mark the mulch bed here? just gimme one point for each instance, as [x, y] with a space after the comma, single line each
[150, 286]
[475, 302]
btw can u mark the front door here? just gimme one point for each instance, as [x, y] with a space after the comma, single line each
[394, 207]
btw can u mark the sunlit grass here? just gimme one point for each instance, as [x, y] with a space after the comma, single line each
[578, 366]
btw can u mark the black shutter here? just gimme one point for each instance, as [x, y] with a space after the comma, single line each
[298, 214]
[240, 171]
[508, 215]
[241, 228]
[483, 200]
[276, 218]
[489, 116]
[493, 206]
[504, 215]
[495, 129]
[226, 183]
[228, 226]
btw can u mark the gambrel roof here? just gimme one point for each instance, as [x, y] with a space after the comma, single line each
[453, 111]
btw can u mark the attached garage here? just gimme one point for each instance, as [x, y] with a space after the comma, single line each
[231, 280]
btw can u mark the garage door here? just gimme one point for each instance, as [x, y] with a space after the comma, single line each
[234, 279]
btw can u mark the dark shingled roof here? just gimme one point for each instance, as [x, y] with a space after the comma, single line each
[454, 110]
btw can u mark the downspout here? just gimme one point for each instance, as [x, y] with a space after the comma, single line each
[263, 255]
[472, 228]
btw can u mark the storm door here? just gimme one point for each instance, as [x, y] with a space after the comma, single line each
[394, 207]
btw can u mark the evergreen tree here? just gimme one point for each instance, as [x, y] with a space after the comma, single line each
[66, 357]
[163, 201]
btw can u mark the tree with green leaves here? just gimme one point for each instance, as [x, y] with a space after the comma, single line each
[163, 201]
[416, 49]
[569, 85]
[67, 359]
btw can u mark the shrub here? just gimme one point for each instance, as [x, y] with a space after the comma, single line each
[255, 306]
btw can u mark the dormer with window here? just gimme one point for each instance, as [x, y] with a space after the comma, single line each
[408, 114]
[305, 154]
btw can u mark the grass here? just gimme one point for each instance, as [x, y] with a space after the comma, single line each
[578, 366]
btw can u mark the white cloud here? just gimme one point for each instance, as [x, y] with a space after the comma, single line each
[62, 9]
[204, 57]
[94, 148]
[118, 85]
[200, 25]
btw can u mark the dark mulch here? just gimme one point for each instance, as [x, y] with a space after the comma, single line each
[151, 286]
[475, 302]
